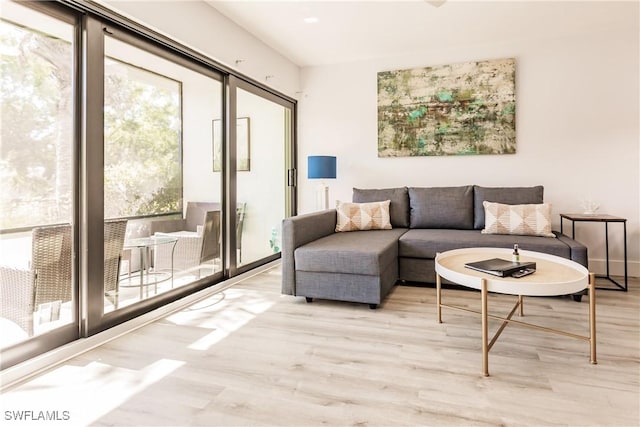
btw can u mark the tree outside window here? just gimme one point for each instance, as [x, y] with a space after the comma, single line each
[36, 102]
[142, 133]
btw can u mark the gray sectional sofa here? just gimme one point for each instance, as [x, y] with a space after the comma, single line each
[363, 266]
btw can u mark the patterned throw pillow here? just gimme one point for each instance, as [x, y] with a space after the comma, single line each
[363, 216]
[529, 220]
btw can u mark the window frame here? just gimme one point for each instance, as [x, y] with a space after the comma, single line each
[64, 334]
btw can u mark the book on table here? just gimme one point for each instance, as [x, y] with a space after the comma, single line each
[502, 267]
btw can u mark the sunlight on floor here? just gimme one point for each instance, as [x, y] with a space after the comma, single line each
[234, 307]
[11, 333]
[117, 385]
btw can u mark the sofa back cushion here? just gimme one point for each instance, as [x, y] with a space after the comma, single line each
[399, 207]
[362, 216]
[504, 195]
[441, 207]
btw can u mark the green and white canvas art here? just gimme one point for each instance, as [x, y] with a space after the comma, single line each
[458, 109]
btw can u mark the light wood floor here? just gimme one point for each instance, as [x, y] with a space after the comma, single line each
[250, 356]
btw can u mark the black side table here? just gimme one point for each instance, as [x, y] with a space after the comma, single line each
[606, 219]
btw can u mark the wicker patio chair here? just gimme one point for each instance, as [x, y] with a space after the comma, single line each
[48, 280]
[194, 217]
[192, 249]
[114, 232]
[51, 263]
[210, 236]
[16, 297]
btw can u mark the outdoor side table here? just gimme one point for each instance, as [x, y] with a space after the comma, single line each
[145, 245]
[606, 219]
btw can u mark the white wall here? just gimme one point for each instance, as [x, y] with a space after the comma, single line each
[576, 121]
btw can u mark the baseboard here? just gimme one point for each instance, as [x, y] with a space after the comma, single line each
[17, 374]
[616, 267]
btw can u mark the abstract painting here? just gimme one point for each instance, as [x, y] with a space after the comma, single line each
[458, 109]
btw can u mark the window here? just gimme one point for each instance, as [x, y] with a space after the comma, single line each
[37, 179]
[142, 121]
[36, 86]
[157, 115]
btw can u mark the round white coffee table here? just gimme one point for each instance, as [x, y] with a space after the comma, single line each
[554, 276]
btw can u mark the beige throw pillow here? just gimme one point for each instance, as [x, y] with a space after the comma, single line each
[363, 216]
[528, 220]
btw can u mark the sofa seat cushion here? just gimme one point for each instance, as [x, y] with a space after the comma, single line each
[425, 243]
[357, 252]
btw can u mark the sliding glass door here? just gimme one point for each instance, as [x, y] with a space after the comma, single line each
[263, 136]
[38, 292]
[162, 189]
[123, 185]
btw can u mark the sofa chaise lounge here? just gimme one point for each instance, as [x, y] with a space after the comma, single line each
[363, 266]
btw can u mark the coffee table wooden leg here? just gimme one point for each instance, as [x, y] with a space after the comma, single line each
[592, 317]
[485, 331]
[439, 297]
[520, 304]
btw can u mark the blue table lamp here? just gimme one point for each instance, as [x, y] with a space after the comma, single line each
[322, 167]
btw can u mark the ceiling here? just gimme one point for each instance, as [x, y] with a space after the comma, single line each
[346, 31]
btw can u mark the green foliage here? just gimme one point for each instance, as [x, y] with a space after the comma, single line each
[166, 199]
[142, 134]
[142, 144]
[35, 150]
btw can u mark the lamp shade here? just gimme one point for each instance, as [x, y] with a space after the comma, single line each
[321, 167]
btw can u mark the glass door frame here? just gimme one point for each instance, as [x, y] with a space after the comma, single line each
[94, 319]
[67, 333]
[289, 184]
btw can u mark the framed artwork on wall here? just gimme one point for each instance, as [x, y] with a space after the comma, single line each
[457, 109]
[243, 135]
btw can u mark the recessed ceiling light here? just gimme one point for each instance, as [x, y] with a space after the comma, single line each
[311, 20]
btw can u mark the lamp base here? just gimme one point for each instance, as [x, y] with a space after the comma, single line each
[322, 197]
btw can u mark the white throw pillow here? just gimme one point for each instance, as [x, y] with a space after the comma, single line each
[528, 220]
[363, 216]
